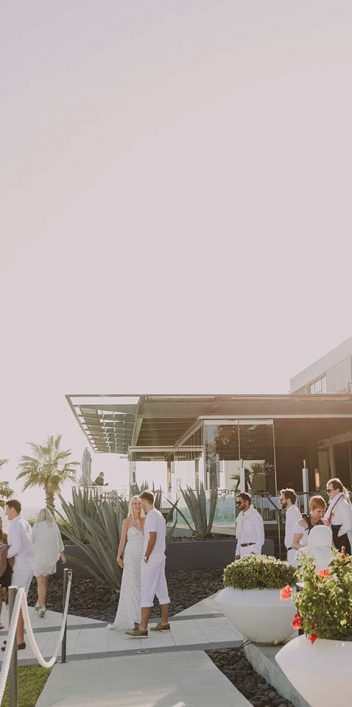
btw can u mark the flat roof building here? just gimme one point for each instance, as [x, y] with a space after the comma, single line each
[212, 437]
[332, 373]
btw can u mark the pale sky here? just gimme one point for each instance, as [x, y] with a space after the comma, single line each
[175, 201]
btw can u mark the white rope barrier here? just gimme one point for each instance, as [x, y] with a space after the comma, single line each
[21, 603]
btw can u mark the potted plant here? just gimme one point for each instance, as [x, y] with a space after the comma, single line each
[318, 662]
[251, 601]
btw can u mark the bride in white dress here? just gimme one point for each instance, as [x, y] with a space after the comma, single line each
[128, 613]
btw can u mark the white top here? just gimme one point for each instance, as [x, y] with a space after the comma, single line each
[293, 515]
[251, 529]
[155, 523]
[47, 545]
[19, 539]
[301, 530]
[339, 512]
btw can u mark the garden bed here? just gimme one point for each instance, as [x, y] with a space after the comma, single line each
[182, 553]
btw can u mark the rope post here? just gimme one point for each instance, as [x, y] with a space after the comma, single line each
[12, 679]
[64, 638]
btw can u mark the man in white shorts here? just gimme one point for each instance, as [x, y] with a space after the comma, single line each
[20, 542]
[153, 580]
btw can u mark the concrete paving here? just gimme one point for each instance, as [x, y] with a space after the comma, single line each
[86, 638]
[168, 669]
[182, 679]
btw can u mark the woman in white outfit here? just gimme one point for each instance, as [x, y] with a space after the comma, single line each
[48, 548]
[128, 613]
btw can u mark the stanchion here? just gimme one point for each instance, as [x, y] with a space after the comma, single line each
[12, 679]
[64, 638]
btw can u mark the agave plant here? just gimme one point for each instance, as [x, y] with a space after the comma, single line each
[96, 530]
[83, 505]
[196, 503]
[136, 490]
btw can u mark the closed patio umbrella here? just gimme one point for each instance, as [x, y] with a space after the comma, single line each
[86, 467]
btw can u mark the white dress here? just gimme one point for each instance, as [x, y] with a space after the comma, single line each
[47, 546]
[129, 608]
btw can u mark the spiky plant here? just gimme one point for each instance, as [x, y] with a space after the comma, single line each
[96, 529]
[196, 502]
[49, 467]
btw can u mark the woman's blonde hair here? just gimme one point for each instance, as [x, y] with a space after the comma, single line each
[130, 507]
[45, 514]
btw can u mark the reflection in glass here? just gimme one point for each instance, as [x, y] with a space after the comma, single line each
[257, 449]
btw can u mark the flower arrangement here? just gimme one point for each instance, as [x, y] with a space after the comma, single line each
[324, 604]
[258, 572]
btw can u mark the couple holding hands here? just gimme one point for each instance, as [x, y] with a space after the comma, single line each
[143, 540]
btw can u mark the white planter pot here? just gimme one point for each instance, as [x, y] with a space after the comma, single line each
[320, 672]
[259, 614]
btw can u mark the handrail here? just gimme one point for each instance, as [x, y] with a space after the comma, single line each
[21, 603]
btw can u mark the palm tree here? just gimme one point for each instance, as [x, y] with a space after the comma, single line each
[5, 491]
[49, 467]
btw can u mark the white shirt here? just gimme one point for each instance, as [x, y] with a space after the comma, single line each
[339, 512]
[293, 515]
[251, 529]
[155, 523]
[19, 539]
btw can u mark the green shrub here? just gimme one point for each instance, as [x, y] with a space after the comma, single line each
[258, 572]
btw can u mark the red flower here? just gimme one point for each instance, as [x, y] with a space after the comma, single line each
[324, 573]
[313, 637]
[286, 592]
[296, 622]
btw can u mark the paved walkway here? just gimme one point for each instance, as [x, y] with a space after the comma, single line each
[168, 669]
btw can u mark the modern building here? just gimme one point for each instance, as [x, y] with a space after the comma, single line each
[218, 438]
[332, 373]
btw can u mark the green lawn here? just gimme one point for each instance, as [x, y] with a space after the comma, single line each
[31, 681]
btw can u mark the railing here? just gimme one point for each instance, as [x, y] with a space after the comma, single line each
[18, 602]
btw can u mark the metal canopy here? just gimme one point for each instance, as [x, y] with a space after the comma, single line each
[113, 423]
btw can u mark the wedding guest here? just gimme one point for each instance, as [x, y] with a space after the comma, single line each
[48, 548]
[302, 529]
[288, 498]
[339, 514]
[3, 544]
[21, 549]
[249, 528]
[128, 613]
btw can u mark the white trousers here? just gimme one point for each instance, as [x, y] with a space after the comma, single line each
[292, 557]
[244, 551]
[153, 582]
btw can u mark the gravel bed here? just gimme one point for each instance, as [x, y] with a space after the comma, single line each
[234, 664]
[93, 600]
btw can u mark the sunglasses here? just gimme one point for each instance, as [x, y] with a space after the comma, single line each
[329, 490]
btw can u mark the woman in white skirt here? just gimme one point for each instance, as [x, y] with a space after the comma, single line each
[48, 548]
[128, 613]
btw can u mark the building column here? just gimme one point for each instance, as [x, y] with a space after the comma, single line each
[211, 457]
[332, 461]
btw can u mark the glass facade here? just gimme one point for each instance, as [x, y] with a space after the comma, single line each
[240, 446]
